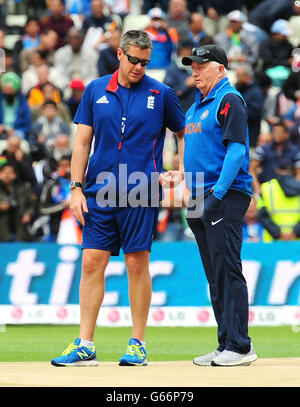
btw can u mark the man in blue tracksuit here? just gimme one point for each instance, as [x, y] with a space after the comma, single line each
[217, 145]
[127, 113]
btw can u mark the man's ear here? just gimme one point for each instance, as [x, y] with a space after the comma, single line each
[119, 53]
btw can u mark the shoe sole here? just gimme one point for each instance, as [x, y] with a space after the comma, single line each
[247, 360]
[125, 363]
[202, 363]
[76, 364]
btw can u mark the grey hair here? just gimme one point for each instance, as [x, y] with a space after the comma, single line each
[218, 64]
[137, 38]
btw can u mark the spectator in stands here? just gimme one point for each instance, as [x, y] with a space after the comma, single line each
[278, 157]
[20, 160]
[264, 138]
[254, 99]
[108, 61]
[252, 228]
[30, 75]
[36, 95]
[162, 43]
[55, 197]
[97, 18]
[216, 14]
[239, 45]
[48, 125]
[294, 132]
[196, 32]
[70, 61]
[58, 21]
[15, 116]
[50, 92]
[17, 207]
[293, 113]
[267, 12]
[77, 87]
[178, 18]
[48, 40]
[60, 147]
[50, 156]
[271, 93]
[276, 50]
[279, 211]
[179, 77]
[9, 60]
[30, 39]
[292, 85]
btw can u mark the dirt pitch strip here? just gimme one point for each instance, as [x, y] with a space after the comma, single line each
[262, 373]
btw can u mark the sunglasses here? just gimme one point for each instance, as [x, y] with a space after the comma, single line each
[136, 60]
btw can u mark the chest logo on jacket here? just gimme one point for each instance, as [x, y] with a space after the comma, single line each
[103, 99]
[150, 102]
[204, 114]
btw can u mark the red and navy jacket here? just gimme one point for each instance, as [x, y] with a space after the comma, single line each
[137, 141]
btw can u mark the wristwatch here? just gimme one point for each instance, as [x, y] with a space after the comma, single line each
[74, 184]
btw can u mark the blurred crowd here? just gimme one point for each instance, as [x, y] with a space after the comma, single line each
[63, 45]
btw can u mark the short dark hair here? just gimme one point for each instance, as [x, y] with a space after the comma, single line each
[30, 19]
[8, 164]
[280, 123]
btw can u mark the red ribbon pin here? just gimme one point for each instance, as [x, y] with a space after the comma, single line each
[225, 110]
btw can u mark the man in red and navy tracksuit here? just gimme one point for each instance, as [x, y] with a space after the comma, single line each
[125, 115]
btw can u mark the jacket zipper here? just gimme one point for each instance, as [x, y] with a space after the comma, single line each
[123, 124]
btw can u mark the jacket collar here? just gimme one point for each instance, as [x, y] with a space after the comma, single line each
[213, 93]
[113, 84]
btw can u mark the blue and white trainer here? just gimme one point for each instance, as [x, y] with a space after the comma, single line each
[135, 355]
[76, 355]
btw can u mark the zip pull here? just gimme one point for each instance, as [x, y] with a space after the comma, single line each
[120, 145]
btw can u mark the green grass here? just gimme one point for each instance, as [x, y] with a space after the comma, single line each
[33, 343]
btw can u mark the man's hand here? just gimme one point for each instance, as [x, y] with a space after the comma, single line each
[26, 218]
[171, 179]
[78, 204]
[211, 207]
[4, 206]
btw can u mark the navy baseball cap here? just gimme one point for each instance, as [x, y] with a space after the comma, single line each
[207, 53]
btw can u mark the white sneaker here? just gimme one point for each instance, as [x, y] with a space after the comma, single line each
[205, 360]
[229, 358]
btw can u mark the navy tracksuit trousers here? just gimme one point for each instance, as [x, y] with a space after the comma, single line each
[219, 241]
